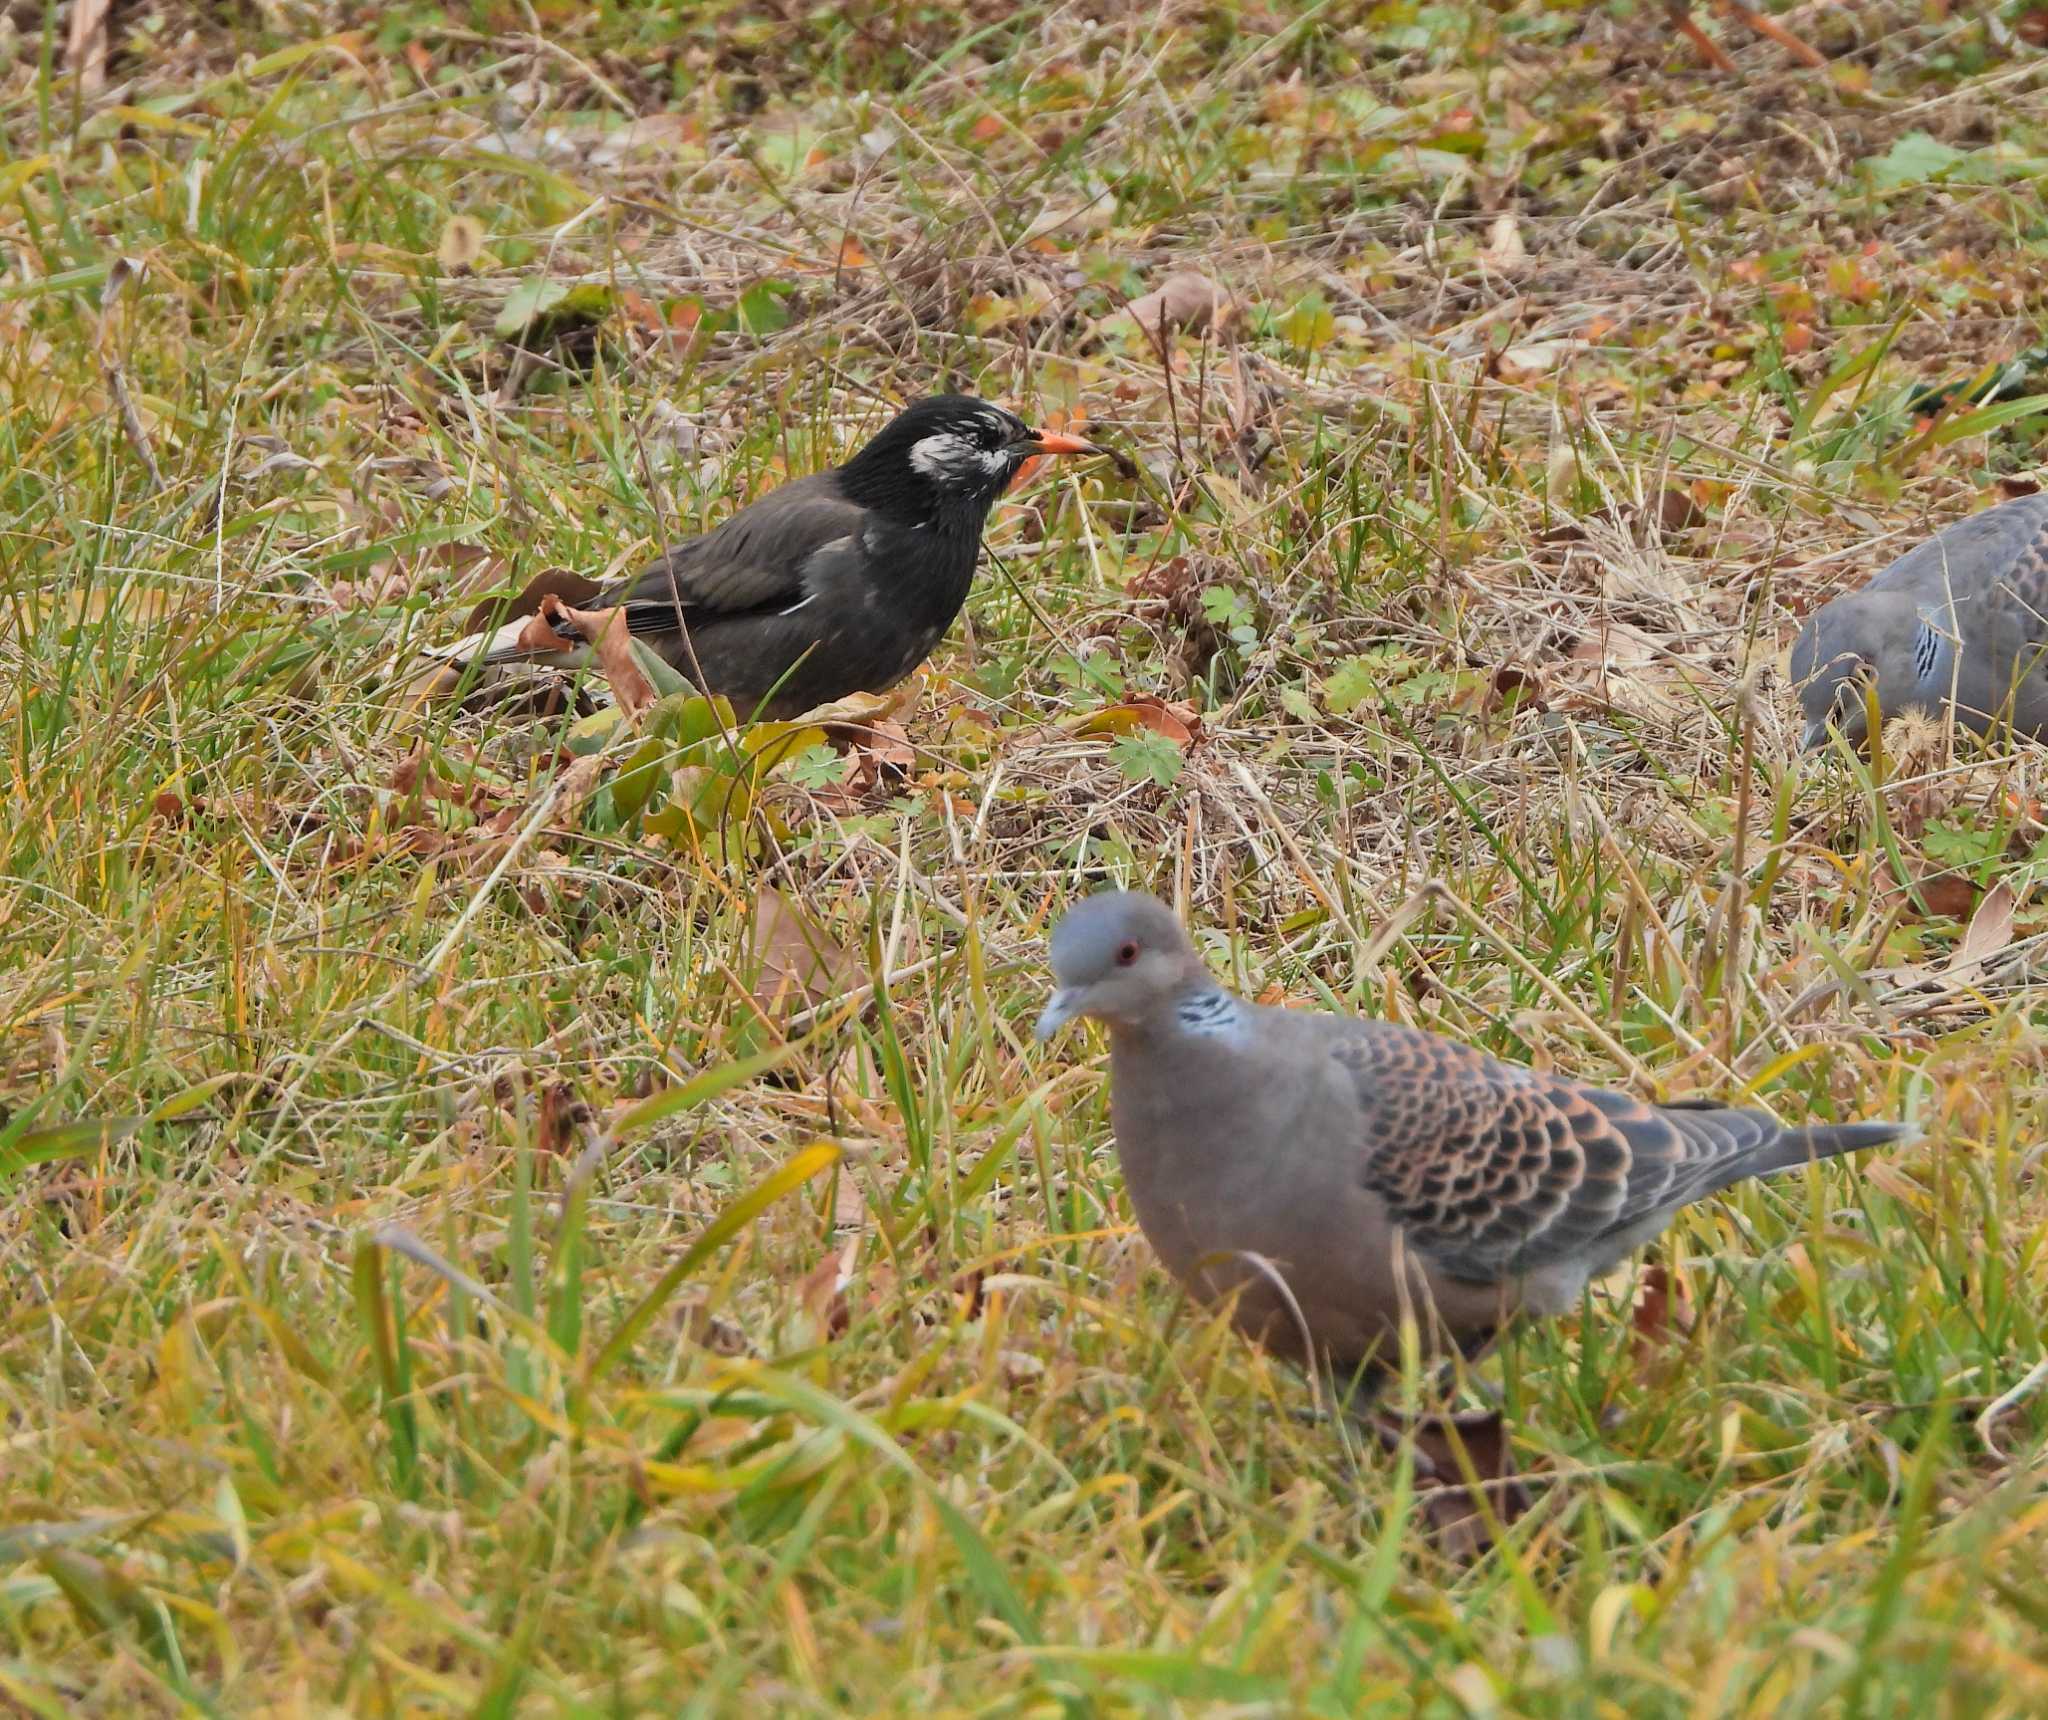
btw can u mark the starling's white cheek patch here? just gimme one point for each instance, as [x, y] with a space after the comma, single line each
[945, 456]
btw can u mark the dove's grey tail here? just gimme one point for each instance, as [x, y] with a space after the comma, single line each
[1796, 1147]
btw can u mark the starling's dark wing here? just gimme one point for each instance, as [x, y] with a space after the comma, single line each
[1494, 1170]
[754, 561]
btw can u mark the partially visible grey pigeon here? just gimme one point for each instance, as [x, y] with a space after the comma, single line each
[1960, 620]
[1333, 1172]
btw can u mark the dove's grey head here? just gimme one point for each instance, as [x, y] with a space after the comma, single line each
[1840, 651]
[1122, 958]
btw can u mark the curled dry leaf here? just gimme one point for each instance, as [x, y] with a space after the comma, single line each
[1945, 895]
[1515, 684]
[554, 621]
[85, 48]
[860, 709]
[882, 754]
[1676, 510]
[821, 1292]
[564, 1119]
[1504, 251]
[571, 588]
[1989, 931]
[627, 680]
[1186, 301]
[1662, 1307]
[462, 243]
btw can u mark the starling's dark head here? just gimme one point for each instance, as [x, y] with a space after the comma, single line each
[949, 454]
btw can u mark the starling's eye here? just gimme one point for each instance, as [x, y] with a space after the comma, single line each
[1126, 953]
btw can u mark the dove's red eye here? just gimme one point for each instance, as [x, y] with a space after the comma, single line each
[1126, 952]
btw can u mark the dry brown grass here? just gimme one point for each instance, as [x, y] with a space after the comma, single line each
[366, 1350]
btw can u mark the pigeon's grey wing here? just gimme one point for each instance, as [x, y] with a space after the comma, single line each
[1967, 556]
[755, 561]
[1495, 1171]
[2014, 650]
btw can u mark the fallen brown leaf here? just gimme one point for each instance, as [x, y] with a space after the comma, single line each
[415, 774]
[1186, 301]
[563, 1118]
[1989, 930]
[571, 588]
[1661, 1308]
[1947, 895]
[1450, 1504]
[857, 710]
[882, 755]
[796, 963]
[821, 1292]
[630, 686]
[1512, 681]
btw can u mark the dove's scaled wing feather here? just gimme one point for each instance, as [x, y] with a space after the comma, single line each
[1497, 1173]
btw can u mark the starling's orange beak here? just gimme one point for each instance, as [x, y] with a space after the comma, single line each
[1043, 443]
[1059, 442]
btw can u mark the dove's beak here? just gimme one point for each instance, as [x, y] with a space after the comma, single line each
[1060, 1009]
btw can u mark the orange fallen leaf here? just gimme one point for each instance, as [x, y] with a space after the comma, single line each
[1948, 896]
[851, 255]
[550, 581]
[555, 622]
[1661, 1308]
[1179, 722]
[629, 683]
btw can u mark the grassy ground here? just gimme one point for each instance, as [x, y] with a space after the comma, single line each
[411, 1308]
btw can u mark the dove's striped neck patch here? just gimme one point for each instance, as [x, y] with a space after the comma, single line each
[1211, 1012]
